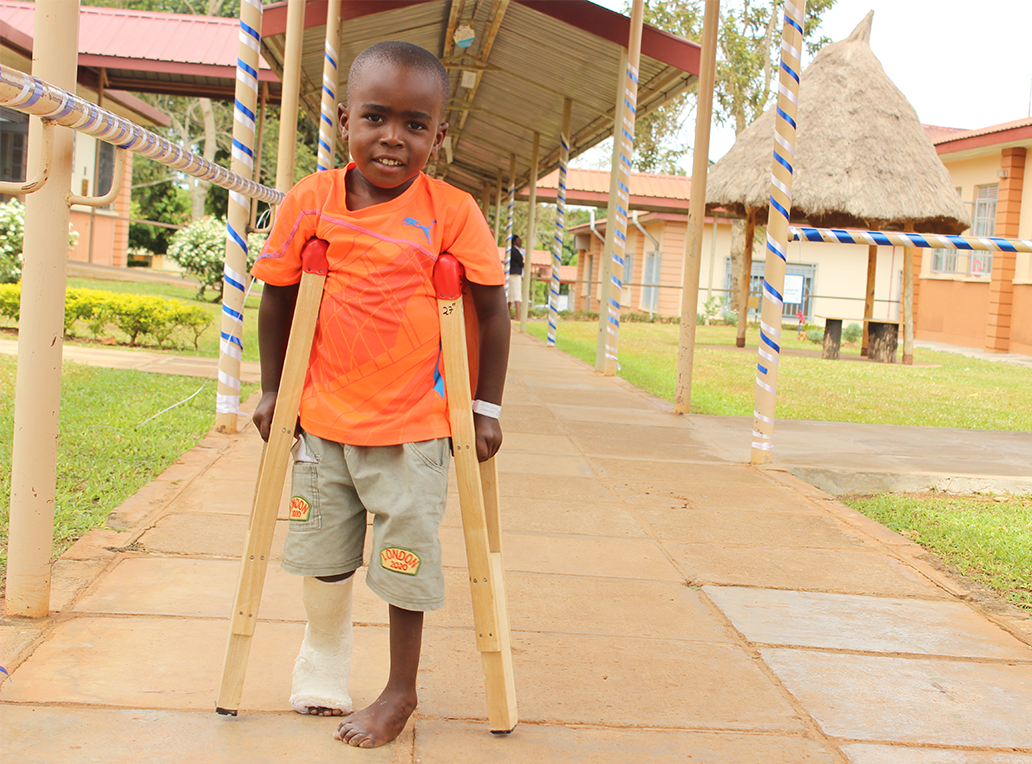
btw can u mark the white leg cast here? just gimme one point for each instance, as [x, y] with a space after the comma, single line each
[321, 668]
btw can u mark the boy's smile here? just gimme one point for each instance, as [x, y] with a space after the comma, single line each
[392, 124]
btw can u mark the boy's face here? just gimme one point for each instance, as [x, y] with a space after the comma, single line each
[392, 123]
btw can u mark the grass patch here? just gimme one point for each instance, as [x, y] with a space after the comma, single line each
[208, 344]
[986, 538]
[104, 454]
[957, 392]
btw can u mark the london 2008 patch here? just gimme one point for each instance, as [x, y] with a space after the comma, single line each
[400, 560]
[300, 509]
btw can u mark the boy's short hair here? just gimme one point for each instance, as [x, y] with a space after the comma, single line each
[403, 54]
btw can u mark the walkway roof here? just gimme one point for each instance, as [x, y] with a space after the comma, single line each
[528, 55]
[651, 192]
[149, 52]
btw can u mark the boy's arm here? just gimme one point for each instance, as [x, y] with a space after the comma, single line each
[493, 319]
[275, 315]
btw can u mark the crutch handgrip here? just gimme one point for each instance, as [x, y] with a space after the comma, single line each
[448, 277]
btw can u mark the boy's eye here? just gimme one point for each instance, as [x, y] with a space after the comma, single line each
[417, 126]
[374, 117]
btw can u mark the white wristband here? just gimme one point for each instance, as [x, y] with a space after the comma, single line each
[492, 410]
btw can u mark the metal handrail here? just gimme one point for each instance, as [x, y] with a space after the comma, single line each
[31, 95]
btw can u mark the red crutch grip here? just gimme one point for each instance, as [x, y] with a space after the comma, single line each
[448, 277]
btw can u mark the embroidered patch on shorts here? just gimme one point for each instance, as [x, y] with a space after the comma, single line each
[400, 560]
[300, 509]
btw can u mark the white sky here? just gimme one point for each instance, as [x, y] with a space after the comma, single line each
[960, 64]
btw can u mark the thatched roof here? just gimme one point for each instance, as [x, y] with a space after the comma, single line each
[862, 158]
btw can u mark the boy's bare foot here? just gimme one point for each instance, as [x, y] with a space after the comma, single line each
[379, 723]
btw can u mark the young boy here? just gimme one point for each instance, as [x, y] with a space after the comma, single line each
[373, 415]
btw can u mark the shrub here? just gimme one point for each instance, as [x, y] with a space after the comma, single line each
[200, 250]
[852, 333]
[815, 335]
[10, 301]
[12, 240]
[729, 317]
[136, 315]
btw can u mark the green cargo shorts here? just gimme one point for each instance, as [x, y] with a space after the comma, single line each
[404, 487]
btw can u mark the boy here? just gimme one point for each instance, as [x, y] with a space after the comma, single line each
[373, 414]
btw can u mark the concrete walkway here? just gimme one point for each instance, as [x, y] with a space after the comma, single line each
[669, 603]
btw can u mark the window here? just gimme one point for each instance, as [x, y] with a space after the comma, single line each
[789, 310]
[650, 279]
[628, 269]
[15, 129]
[973, 262]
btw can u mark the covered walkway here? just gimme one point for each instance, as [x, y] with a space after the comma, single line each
[667, 606]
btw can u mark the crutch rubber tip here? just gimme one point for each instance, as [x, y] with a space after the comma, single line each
[225, 711]
[502, 732]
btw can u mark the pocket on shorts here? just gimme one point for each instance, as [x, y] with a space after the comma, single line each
[303, 513]
[433, 453]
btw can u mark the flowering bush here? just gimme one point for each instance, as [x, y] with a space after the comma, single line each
[12, 238]
[200, 250]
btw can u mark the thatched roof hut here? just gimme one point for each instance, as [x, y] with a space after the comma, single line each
[862, 158]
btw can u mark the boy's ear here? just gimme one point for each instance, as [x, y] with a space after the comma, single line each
[442, 130]
[342, 121]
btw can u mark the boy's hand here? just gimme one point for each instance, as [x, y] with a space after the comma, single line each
[263, 412]
[489, 436]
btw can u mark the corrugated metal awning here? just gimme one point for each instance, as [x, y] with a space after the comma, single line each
[528, 56]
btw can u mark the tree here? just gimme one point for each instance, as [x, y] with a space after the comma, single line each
[748, 53]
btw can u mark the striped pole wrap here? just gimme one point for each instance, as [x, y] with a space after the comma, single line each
[328, 106]
[31, 95]
[227, 399]
[508, 221]
[560, 223]
[623, 203]
[901, 239]
[777, 232]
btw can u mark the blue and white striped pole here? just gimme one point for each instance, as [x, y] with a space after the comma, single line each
[227, 400]
[328, 106]
[508, 222]
[777, 232]
[619, 204]
[560, 223]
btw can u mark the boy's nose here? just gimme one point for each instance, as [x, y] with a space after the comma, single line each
[391, 135]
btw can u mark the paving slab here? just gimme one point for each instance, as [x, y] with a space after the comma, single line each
[175, 664]
[715, 526]
[564, 517]
[585, 605]
[870, 624]
[634, 416]
[557, 487]
[711, 495]
[863, 753]
[448, 743]
[616, 682]
[572, 555]
[60, 735]
[530, 465]
[205, 588]
[678, 471]
[917, 701]
[209, 535]
[833, 570]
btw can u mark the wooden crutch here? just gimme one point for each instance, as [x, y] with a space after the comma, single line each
[272, 473]
[478, 500]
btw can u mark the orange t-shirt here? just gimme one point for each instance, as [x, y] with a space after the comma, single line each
[375, 376]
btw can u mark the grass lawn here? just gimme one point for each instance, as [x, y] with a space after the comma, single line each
[987, 538]
[955, 392]
[105, 454]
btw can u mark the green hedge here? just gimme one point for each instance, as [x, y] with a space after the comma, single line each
[166, 322]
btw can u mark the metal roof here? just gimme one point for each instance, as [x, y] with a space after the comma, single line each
[528, 56]
[652, 192]
[964, 144]
[151, 52]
